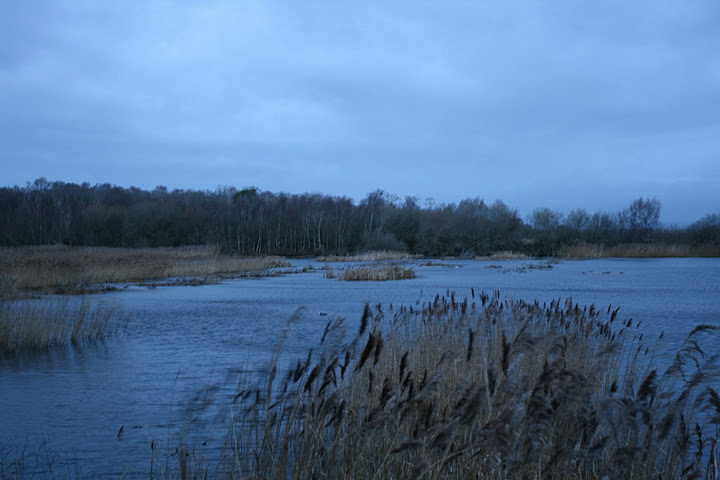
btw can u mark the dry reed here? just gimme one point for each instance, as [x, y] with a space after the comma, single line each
[494, 389]
[639, 250]
[374, 273]
[31, 326]
[504, 255]
[379, 255]
[62, 269]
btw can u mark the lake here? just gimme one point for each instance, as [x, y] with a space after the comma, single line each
[172, 374]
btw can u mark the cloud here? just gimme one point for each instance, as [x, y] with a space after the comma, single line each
[517, 101]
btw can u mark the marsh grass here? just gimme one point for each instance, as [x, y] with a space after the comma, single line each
[31, 326]
[431, 263]
[503, 255]
[481, 388]
[68, 270]
[378, 273]
[639, 250]
[374, 256]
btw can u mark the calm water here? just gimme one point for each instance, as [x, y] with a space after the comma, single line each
[176, 368]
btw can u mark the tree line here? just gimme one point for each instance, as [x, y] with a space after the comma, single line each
[251, 222]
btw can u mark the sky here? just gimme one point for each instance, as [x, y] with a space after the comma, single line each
[564, 104]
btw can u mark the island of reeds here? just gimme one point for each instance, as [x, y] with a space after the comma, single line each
[380, 272]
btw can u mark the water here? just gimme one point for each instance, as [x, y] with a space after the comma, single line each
[174, 372]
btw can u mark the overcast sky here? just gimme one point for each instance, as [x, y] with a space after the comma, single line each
[561, 104]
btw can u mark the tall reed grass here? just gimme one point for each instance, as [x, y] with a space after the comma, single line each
[639, 250]
[376, 273]
[481, 388]
[503, 255]
[374, 256]
[65, 269]
[31, 326]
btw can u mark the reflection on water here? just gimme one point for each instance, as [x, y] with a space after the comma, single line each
[187, 349]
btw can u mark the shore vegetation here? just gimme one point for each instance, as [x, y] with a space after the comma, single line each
[638, 250]
[249, 221]
[503, 255]
[77, 270]
[38, 325]
[374, 256]
[481, 388]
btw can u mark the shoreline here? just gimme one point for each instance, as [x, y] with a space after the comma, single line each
[86, 270]
[32, 271]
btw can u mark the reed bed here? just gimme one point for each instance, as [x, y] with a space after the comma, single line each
[377, 273]
[431, 263]
[640, 250]
[503, 255]
[480, 388]
[63, 269]
[374, 256]
[31, 326]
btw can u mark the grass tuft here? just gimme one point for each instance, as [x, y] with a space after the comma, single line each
[32, 326]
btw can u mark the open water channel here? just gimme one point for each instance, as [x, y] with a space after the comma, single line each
[173, 372]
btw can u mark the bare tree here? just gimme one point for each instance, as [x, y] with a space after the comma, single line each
[643, 216]
[544, 219]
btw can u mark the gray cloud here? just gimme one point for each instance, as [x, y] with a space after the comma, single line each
[566, 105]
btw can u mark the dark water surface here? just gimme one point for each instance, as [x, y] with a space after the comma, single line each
[174, 371]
